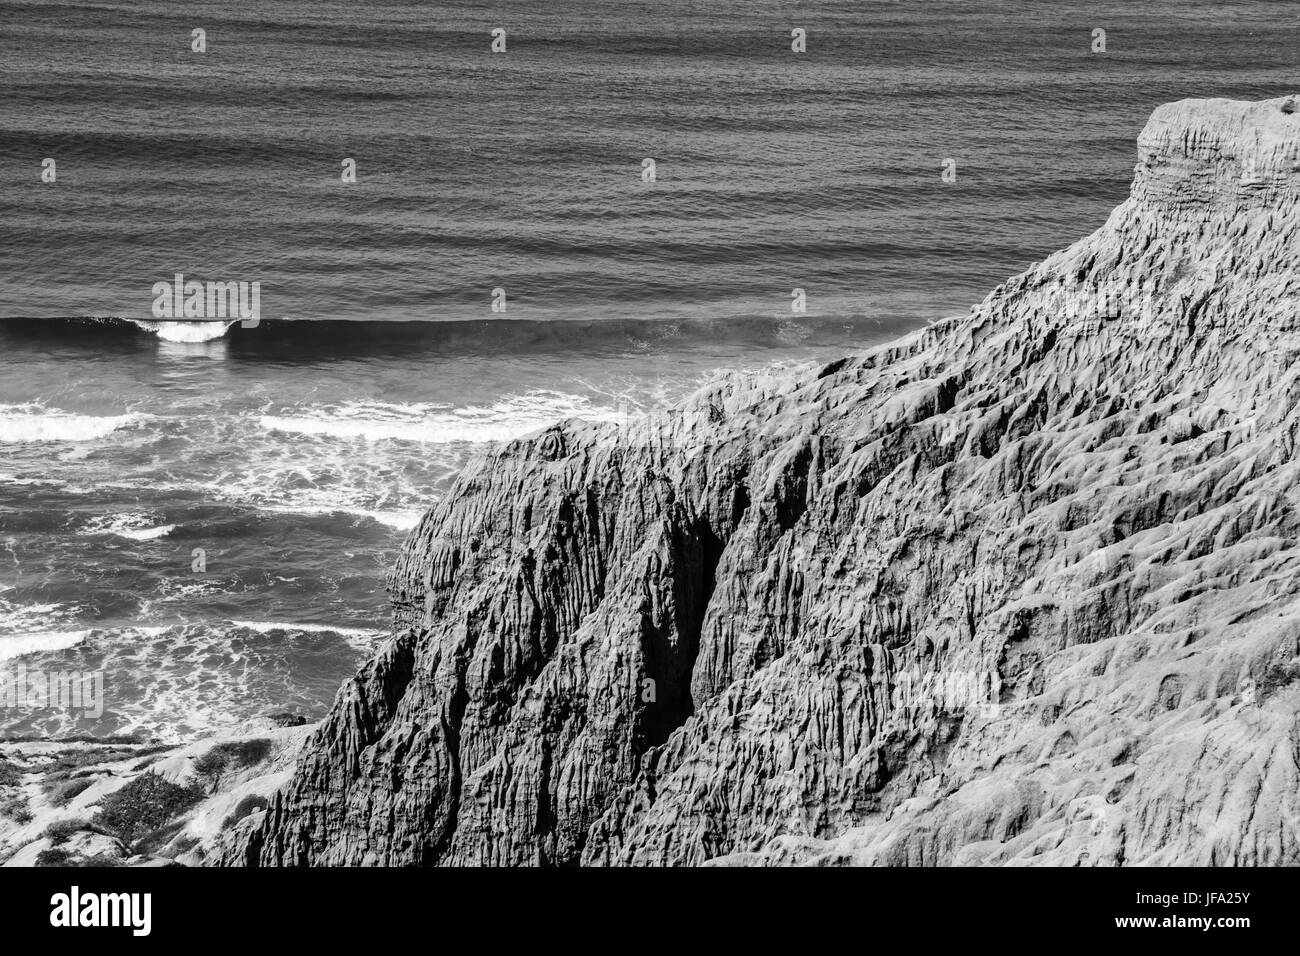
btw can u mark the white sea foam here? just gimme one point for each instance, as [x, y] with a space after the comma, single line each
[363, 638]
[318, 469]
[32, 642]
[135, 526]
[399, 520]
[29, 617]
[185, 331]
[29, 628]
[504, 420]
[185, 679]
[148, 534]
[265, 627]
[329, 486]
[22, 424]
[180, 589]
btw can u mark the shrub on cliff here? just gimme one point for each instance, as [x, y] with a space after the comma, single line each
[55, 856]
[64, 790]
[144, 805]
[65, 763]
[286, 719]
[250, 804]
[15, 808]
[223, 758]
[60, 831]
[9, 774]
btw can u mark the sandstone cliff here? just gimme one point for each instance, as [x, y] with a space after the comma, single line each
[1023, 587]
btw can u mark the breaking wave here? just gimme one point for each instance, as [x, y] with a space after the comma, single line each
[134, 526]
[185, 331]
[509, 418]
[32, 422]
[32, 628]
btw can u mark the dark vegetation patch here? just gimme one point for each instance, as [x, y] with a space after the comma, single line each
[60, 791]
[250, 804]
[144, 806]
[60, 831]
[9, 773]
[234, 755]
[15, 808]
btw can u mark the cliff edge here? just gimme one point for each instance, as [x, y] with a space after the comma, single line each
[1022, 587]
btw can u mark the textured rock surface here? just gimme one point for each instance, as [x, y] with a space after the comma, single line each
[1023, 587]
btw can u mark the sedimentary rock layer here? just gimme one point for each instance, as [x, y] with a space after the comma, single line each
[1019, 588]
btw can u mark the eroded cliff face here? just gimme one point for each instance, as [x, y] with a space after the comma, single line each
[1023, 587]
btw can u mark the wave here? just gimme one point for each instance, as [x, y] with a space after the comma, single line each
[32, 422]
[32, 628]
[134, 526]
[424, 423]
[266, 627]
[35, 642]
[306, 340]
[354, 458]
[185, 331]
[398, 520]
[170, 330]
[362, 638]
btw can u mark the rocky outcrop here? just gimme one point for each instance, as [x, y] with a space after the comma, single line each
[1023, 587]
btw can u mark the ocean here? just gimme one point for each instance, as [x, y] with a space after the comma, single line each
[206, 514]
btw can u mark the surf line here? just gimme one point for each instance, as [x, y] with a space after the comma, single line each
[194, 301]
